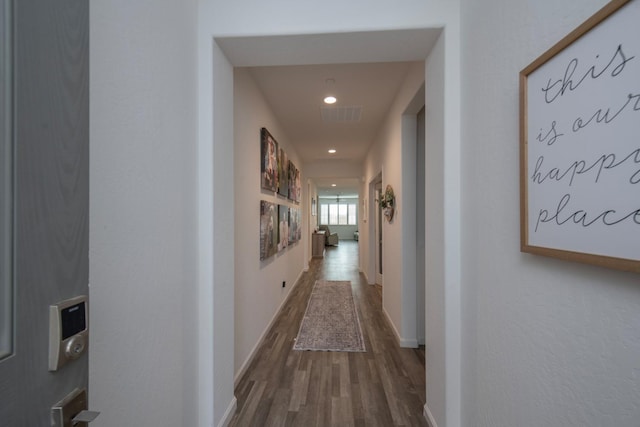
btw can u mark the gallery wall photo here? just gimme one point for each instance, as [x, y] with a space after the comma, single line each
[268, 229]
[283, 229]
[269, 163]
[283, 173]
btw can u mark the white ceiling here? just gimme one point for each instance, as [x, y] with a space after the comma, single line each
[296, 93]
[345, 187]
[367, 69]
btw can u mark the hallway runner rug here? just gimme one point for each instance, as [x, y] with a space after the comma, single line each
[331, 321]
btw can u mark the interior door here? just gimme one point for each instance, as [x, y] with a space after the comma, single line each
[49, 197]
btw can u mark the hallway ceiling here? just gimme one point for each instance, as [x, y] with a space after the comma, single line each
[296, 93]
[367, 69]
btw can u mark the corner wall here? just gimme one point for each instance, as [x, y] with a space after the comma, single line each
[143, 207]
[387, 155]
[435, 239]
[546, 342]
[258, 284]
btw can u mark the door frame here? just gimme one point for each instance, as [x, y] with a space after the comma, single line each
[373, 208]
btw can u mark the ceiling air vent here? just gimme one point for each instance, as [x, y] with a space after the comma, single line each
[341, 114]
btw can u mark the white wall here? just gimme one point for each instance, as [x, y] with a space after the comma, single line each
[387, 155]
[143, 235]
[546, 342]
[258, 284]
[217, 253]
[435, 239]
[393, 157]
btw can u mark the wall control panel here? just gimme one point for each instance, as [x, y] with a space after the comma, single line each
[68, 331]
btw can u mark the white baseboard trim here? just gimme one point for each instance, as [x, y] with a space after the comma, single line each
[253, 353]
[393, 327]
[366, 279]
[402, 342]
[427, 416]
[229, 413]
[408, 343]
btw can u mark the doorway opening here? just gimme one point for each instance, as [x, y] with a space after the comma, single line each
[229, 52]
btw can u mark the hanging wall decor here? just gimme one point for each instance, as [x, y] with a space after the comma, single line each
[283, 224]
[387, 203]
[579, 146]
[268, 229]
[283, 173]
[269, 161]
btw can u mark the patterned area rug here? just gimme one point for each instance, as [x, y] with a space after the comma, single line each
[331, 321]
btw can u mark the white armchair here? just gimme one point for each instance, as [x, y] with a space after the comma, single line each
[330, 239]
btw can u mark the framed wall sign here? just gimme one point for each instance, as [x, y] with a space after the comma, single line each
[580, 143]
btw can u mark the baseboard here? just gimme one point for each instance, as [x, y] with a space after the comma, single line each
[427, 416]
[408, 343]
[393, 327]
[366, 279]
[402, 342]
[229, 413]
[254, 350]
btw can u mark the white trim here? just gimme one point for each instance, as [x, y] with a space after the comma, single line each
[402, 342]
[229, 413]
[205, 243]
[393, 327]
[427, 416]
[366, 279]
[253, 353]
[408, 343]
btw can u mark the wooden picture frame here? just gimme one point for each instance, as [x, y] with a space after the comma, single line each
[580, 143]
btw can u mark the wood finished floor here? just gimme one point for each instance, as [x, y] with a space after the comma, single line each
[283, 387]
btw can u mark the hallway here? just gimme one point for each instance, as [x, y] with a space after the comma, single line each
[383, 387]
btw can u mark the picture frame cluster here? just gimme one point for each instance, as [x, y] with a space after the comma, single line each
[280, 225]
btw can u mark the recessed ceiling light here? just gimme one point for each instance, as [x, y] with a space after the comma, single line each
[334, 185]
[332, 151]
[330, 100]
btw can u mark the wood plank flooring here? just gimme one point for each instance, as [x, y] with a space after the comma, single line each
[283, 387]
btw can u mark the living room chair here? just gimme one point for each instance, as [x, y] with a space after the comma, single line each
[330, 239]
